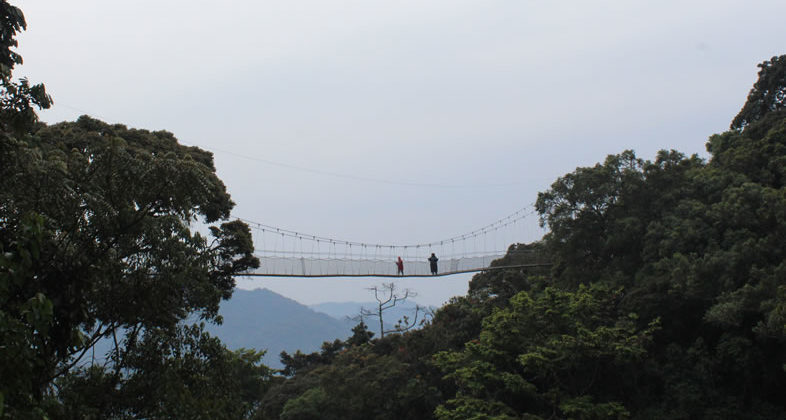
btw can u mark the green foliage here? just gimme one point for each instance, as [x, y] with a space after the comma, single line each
[548, 352]
[597, 216]
[116, 251]
[23, 322]
[117, 205]
[475, 409]
[703, 251]
[666, 299]
[18, 100]
[392, 377]
[96, 239]
[360, 335]
[301, 362]
[188, 374]
[501, 285]
[362, 385]
[12, 20]
[767, 95]
[583, 408]
[180, 373]
[308, 406]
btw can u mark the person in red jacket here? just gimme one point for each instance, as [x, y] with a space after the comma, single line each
[400, 266]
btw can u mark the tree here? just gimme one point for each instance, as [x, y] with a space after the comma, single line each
[767, 95]
[550, 353]
[598, 216]
[391, 377]
[19, 334]
[699, 246]
[300, 362]
[501, 285]
[360, 335]
[667, 300]
[96, 240]
[387, 298]
[179, 373]
[18, 100]
[118, 253]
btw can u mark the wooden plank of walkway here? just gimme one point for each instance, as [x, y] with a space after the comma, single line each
[447, 273]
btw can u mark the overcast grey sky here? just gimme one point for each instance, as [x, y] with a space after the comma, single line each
[461, 93]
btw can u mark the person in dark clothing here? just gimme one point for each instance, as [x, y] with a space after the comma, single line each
[400, 266]
[433, 260]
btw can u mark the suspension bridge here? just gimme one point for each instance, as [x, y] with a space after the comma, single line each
[288, 253]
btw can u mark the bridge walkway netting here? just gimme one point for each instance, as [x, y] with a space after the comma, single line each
[288, 253]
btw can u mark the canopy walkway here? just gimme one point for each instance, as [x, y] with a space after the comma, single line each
[287, 253]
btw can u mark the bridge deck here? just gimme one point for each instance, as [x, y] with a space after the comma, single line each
[442, 274]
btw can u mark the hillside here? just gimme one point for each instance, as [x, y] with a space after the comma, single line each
[264, 320]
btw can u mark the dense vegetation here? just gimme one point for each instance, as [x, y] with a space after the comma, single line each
[97, 242]
[666, 298]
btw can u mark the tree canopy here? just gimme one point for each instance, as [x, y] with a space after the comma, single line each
[666, 298]
[767, 95]
[115, 248]
[100, 240]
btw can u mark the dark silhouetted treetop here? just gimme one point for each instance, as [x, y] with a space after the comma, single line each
[96, 243]
[17, 99]
[11, 21]
[767, 95]
[117, 252]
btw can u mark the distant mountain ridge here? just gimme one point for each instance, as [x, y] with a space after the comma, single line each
[264, 320]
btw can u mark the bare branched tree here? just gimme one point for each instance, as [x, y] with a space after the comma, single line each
[387, 297]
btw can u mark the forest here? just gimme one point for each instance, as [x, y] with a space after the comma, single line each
[666, 297]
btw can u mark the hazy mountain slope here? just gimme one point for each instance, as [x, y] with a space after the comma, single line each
[262, 319]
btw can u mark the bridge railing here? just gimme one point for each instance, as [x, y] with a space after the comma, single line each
[307, 266]
[302, 266]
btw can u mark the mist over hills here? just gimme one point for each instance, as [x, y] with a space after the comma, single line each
[264, 320]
